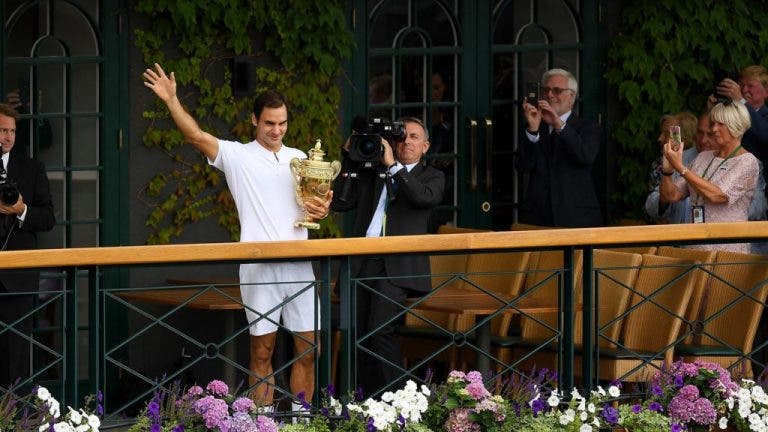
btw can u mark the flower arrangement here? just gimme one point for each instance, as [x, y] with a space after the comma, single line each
[749, 407]
[398, 411]
[40, 411]
[198, 409]
[579, 414]
[694, 395]
[464, 404]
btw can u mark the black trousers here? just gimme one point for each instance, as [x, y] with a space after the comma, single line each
[14, 349]
[375, 308]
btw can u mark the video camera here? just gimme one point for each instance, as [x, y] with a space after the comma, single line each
[365, 145]
[9, 192]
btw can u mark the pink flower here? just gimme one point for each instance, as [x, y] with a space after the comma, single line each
[243, 404]
[477, 391]
[195, 391]
[214, 411]
[474, 377]
[458, 421]
[689, 392]
[217, 388]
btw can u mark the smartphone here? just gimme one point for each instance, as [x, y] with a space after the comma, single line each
[532, 93]
[675, 136]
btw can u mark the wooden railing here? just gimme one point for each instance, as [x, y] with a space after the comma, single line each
[342, 250]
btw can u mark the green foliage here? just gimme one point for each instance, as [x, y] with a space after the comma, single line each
[641, 419]
[666, 60]
[302, 53]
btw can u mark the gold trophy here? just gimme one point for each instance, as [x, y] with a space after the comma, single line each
[313, 179]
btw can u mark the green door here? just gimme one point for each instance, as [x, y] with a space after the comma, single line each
[65, 60]
[461, 66]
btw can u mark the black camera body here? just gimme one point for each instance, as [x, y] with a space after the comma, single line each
[365, 146]
[9, 192]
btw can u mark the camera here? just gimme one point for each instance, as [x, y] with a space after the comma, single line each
[365, 145]
[9, 193]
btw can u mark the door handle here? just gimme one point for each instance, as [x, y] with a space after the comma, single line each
[473, 154]
[488, 154]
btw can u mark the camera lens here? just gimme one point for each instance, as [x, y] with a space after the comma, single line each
[368, 148]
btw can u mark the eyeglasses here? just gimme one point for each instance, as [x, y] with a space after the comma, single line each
[4, 131]
[557, 91]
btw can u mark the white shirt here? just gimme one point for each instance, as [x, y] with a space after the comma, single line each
[378, 219]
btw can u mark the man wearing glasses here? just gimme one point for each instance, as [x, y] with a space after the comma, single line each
[556, 153]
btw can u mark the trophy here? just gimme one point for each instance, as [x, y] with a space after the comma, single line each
[313, 179]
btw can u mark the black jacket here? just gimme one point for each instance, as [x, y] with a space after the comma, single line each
[412, 196]
[32, 182]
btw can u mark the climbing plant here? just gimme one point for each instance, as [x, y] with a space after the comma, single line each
[666, 59]
[296, 47]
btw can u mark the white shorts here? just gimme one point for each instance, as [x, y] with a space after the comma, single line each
[264, 287]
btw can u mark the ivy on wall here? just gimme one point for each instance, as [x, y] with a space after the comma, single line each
[300, 52]
[667, 59]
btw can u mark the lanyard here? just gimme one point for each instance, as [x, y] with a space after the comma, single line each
[730, 155]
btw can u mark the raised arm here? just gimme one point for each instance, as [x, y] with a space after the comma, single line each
[164, 87]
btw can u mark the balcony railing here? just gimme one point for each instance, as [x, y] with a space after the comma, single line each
[519, 329]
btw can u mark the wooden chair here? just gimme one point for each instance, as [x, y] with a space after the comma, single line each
[542, 282]
[731, 311]
[651, 324]
[703, 268]
[642, 250]
[420, 338]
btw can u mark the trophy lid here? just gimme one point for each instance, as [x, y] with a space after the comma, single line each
[316, 154]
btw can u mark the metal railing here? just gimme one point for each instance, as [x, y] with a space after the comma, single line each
[112, 348]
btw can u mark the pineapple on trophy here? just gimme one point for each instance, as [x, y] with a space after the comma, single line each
[314, 177]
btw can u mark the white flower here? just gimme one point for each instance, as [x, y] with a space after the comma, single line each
[425, 390]
[83, 428]
[553, 400]
[614, 391]
[600, 391]
[53, 408]
[94, 422]
[584, 416]
[63, 427]
[43, 394]
[723, 423]
[74, 416]
[585, 428]
[591, 408]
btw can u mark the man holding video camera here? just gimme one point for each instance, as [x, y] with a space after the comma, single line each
[26, 208]
[394, 192]
[556, 152]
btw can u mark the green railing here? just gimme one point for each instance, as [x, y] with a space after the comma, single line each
[111, 360]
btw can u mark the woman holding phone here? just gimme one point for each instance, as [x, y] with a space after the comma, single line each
[720, 182]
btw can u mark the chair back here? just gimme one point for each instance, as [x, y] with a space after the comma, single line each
[703, 268]
[733, 304]
[663, 287]
[543, 283]
[614, 275]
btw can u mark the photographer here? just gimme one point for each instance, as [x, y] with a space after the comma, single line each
[393, 197]
[26, 208]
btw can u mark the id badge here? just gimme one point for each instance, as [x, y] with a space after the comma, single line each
[697, 214]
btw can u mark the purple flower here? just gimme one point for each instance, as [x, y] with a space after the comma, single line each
[179, 428]
[679, 381]
[330, 390]
[359, 395]
[265, 424]
[153, 409]
[195, 391]
[474, 377]
[610, 414]
[243, 404]
[369, 426]
[703, 412]
[213, 410]
[155, 427]
[656, 390]
[677, 427]
[301, 396]
[656, 407]
[217, 388]
[689, 392]
[636, 408]
[537, 405]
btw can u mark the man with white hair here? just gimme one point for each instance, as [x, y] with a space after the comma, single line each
[556, 152]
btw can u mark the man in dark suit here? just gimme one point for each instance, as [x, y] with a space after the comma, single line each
[394, 197]
[556, 152]
[20, 221]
